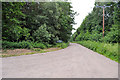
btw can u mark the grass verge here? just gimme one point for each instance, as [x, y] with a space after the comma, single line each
[56, 47]
[106, 49]
[36, 50]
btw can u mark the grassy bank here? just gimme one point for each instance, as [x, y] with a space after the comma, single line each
[35, 47]
[30, 45]
[23, 45]
[106, 49]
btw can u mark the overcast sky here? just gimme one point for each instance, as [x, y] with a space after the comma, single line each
[83, 7]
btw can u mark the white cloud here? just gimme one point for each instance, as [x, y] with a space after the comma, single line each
[83, 7]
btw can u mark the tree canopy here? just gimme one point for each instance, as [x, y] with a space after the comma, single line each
[37, 21]
[91, 27]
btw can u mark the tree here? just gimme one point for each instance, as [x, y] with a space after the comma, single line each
[91, 27]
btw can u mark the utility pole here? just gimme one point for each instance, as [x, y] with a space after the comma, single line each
[103, 23]
[103, 16]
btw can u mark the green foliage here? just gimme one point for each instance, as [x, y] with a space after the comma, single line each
[39, 45]
[113, 36]
[0, 44]
[13, 45]
[42, 35]
[90, 32]
[48, 45]
[109, 50]
[12, 21]
[30, 45]
[62, 45]
[42, 22]
[23, 44]
[92, 27]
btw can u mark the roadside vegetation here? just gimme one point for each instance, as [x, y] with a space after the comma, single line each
[62, 45]
[90, 32]
[37, 22]
[16, 49]
[33, 51]
[36, 25]
[31, 45]
[106, 49]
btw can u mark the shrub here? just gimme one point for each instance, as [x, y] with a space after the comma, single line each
[12, 45]
[23, 44]
[62, 45]
[48, 45]
[0, 44]
[30, 45]
[39, 45]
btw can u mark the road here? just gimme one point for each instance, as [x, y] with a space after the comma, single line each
[74, 61]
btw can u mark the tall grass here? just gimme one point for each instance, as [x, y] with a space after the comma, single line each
[30, 45]
[23, 44]
[106, 49]
[62, 45]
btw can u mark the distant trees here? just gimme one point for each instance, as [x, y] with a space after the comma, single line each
[37, 21]
[91, 27]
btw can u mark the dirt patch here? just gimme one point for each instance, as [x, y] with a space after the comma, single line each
[51, 49]
[17, 51]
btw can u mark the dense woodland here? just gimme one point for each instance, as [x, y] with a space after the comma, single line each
[91, 27]
[44, 22]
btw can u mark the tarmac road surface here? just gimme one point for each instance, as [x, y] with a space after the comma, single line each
[74, 61]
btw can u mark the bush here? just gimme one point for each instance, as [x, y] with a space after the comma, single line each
[48, 45]
[41, 34]
[0, 44]
[39, 45]
[30, 45]
[113, 36]
[12, 45]
[62, 45]
[23, 44]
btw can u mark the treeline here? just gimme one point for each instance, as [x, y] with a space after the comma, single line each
[44, 22]
[91, 28]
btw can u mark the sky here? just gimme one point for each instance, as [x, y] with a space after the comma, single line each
[82, 7]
